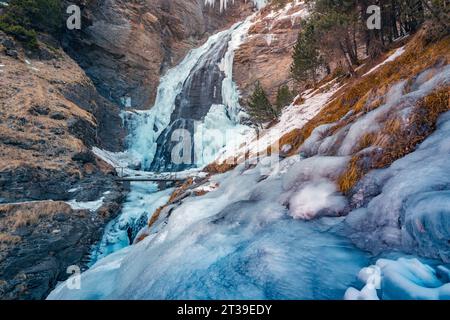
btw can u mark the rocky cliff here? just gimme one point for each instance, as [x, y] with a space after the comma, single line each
[125, 46]
[266, 55]
[50, 116]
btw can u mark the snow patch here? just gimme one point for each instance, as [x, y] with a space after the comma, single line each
[391, 58]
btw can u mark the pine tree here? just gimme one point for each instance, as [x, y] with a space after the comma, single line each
[259, 107]
[306, 56]
[284, 97]
[24, 18]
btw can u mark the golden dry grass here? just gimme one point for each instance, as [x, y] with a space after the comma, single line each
[6, 238]
[351, 176]
[396, 139]
[217, 168]
[174, 196]
[28, 214]
[155, 216]
[363, 95]
[23, 88]
[360, 94]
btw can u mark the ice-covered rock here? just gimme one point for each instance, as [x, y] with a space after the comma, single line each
[237, 241]
[412, 211]
[402, 279]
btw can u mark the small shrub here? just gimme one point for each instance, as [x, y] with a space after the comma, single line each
[27, 37]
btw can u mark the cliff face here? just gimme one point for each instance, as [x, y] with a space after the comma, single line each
[125, 46]
[266, 54]
[50, 116]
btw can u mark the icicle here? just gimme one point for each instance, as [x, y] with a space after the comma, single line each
[224, 3]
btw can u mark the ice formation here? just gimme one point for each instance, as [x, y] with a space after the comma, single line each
[223, 4]
[402, 279]
[245, 245]
[412, 208]
[141, 202]
[147, 126]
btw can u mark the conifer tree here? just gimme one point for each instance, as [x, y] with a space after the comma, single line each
[306, 56]
[259, 107]
[284, 97]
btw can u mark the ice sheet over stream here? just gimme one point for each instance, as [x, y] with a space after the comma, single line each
[236, 242]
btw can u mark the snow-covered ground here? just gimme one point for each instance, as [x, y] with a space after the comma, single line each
[293, 117]
[238, 241]
[288, 12]
[275, 231]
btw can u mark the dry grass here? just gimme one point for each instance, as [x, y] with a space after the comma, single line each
[6, 238]
[217, 168]
[156, 215]
[360, 94]
[200, 193]
[396, 139]
[29, 214]
[28, 137]
[351, 176]
[173, 198]
[180, 190]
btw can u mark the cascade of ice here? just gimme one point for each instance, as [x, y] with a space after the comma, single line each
[184, 100]
[198, 94]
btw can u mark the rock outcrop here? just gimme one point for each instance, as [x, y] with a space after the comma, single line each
[125, 46]
[50, 116]
[266, 54]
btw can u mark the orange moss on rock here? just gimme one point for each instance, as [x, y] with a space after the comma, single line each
[173, 198]
[156, 215]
